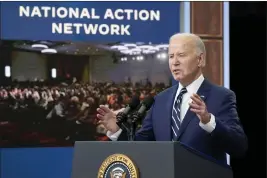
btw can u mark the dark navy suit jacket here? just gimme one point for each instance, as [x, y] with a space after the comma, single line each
[227, 137]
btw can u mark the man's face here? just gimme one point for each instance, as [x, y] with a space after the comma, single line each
[183, 59]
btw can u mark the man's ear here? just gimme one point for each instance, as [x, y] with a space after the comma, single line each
[201, 60]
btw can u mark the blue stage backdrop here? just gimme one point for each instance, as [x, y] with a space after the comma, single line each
[93, 21]
[77, 21]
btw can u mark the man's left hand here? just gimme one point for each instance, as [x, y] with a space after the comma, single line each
[199, 107]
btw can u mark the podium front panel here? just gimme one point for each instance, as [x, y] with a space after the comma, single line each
[88, 157]
[143, 160]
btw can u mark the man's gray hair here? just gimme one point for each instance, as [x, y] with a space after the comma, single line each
[200, 46]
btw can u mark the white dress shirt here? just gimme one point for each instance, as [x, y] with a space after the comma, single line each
[191, 89]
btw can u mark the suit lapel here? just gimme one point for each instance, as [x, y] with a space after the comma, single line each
[169, 105]
[203, 92]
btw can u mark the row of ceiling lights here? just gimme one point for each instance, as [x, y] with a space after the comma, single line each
[161, 56]
[134, 49]
[46, 49]
[126, 48]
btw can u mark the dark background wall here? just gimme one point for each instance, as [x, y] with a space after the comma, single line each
[247, 71]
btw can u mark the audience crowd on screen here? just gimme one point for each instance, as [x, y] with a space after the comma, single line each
[40, 114]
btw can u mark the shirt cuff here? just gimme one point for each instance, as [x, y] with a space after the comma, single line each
[114, 136]
[210, 126]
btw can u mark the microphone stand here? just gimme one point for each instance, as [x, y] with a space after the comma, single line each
[132, 130]
[127, 126]
[133, 125]
[130, 125]
[121, 123]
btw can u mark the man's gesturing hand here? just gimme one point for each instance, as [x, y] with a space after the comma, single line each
[199, 107]
[107, 118]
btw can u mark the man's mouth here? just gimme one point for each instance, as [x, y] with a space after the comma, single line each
[176, 70]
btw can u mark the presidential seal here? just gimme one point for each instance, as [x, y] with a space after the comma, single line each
[118, 166]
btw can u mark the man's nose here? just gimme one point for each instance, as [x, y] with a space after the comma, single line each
[176, 62]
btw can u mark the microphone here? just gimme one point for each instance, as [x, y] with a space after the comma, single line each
[122, 116]
[145, 106]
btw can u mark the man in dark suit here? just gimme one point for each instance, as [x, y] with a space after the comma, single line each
[195, 112]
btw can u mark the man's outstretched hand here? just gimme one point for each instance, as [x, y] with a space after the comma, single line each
[107, 118]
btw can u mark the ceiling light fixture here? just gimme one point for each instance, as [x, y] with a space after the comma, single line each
[136, 50]
[163, 46]
[119, 47]
[149, 51]
[49, 50]
[39, 46]
[130, 45]
[145, 47]
[126, 51]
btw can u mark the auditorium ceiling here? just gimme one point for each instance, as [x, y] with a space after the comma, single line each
[85, 48]
[72, 48]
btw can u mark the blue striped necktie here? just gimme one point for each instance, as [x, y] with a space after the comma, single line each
[176, 120]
